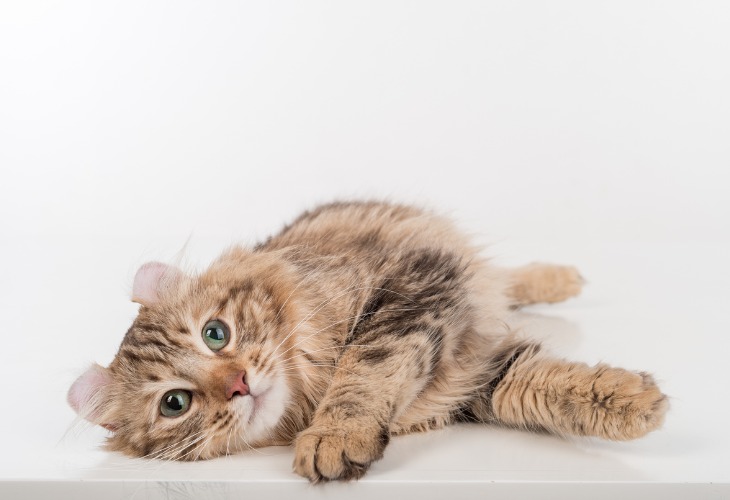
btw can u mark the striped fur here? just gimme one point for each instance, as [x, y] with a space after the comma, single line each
[357, 322]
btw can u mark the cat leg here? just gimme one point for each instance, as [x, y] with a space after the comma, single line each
[542, 393]
[538, 282]
[373, 381]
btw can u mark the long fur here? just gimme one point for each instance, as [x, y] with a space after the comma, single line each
[358, 321]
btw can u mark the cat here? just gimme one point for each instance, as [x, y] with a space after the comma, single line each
[357, 322]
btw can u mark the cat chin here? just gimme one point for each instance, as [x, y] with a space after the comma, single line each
[261, 410]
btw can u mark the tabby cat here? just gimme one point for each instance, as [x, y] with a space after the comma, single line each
[357, 322]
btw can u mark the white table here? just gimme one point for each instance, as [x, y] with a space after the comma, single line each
[62, 309]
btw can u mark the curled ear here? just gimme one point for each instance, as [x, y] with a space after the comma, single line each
[89, 393]
[151, 279]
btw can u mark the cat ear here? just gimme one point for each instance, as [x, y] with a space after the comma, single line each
[151, 279]
[89, 393]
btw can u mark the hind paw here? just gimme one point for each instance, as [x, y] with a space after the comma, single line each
[546, 283]
[630, 404]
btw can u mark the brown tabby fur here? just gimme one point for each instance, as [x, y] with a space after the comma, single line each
[380, 319]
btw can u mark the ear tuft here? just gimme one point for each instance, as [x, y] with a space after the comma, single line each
[151, 279]
[88, 392]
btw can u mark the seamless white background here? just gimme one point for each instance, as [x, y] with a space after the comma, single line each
[593, 133]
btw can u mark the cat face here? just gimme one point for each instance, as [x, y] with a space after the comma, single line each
[200, 373]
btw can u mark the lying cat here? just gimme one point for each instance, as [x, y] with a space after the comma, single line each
[357, 322]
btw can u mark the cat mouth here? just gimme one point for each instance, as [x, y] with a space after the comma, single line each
[258, 402]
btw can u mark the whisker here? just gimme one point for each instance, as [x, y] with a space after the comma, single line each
[291, 368]
[326, 349]
[171, 454]
[324, 303]
[336, 323]
[311, 315]
[311, 335]
[155, 454]
[202, 447]
[228, 441]
[197, 444]
[302, 281]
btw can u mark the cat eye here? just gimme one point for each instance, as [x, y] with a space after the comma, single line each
[174, 403]
[216, 335]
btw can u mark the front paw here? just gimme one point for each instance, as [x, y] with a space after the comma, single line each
[339, 450]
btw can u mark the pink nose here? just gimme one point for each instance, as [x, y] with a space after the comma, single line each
[236, 384]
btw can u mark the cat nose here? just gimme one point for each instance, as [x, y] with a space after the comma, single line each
[236, 384]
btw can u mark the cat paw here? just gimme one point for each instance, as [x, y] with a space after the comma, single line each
[558, 283]
[547, 283]
[342, 451]
[631, 404]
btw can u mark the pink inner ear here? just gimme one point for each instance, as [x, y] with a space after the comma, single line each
[86, 393]
[150, 279]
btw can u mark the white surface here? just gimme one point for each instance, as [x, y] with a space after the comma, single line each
[588, 133]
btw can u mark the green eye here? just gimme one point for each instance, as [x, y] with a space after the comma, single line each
[216, 335]
[174, 403]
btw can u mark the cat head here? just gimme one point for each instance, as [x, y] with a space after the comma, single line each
[206, 368]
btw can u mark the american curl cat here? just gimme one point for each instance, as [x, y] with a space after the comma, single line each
[357, 322]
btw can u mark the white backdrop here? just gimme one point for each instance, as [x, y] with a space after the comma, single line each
[594, 133]
[142, 118]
